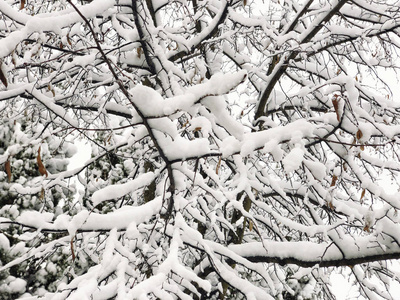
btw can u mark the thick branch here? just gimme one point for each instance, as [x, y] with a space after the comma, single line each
[340, 262]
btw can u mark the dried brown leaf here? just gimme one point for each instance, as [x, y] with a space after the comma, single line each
[359, 134]
[72, 249]
[50, 88]
[22, 4]
[42, 169]
[334, 179]
[69, 40]
[8, 169]
[3, 76]
[218, 165]
[14, 62]
[331, 206]
[139, 51]
[335, 103]
[362, 194]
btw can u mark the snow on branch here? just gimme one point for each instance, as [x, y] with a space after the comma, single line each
[198, 149]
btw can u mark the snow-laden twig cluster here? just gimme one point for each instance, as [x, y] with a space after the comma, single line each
[239, 149]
